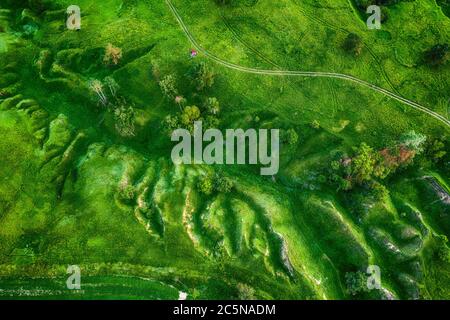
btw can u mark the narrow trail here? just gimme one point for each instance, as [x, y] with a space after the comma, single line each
[293, 73]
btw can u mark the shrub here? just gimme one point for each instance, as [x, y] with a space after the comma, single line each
[245, 292]
[315, 124]
[126, 192]
[353, 44]
[437, 55]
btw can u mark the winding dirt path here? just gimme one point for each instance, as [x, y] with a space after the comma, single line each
[293, 73]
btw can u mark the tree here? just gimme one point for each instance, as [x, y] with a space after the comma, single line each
[437, 55]
[290, 137]
[172, 123]
[217, 182]
[206, 185]
[112, 55]
[112, 85]
[202, 76]
[435, 149]
[189, 115]
[363, 163]
[168, 86]
[210, 122]
[379, 191]
[381, 170]
[322, 179]
[353, 44]
[342, 183]
[413, 141]
[97, 87]
[384, 14]
[212, 106]
[363, 4]
[335, 165]
[181, 102]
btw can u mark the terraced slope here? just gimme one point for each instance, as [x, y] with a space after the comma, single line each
[74, 191]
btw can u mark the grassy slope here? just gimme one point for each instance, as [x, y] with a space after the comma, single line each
[76, 217]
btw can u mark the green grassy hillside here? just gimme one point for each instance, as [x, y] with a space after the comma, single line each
[86, 176]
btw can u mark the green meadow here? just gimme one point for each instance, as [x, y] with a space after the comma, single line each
[86, 176]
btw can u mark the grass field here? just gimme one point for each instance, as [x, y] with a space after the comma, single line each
[74, 191]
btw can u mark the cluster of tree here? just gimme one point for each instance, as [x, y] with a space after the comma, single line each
[200, 75]
[208, 113]
[210, 183]
[106, 92]
[356, 282]
[367, 165]
[205, 109]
